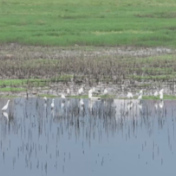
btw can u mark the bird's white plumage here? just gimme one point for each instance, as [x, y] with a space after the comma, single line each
[63, 96]
[45, 99]
[129, 95]
[141, 92]
[105, 92]
[68, 91]
[6, 106]
[91, 97]
[80, 91]
[161, 91]
[156, 93]
[140, 97]
[161, 96]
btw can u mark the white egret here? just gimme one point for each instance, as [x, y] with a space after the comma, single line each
[91, 97]
[161, 96]
[141, 92]
[68, 91]
[129, 95]
[105, 92]
[52, 104]
[45, 99]
[161, 91]
[140, 97]
[80, 91]
[6, 106]
[156, 93]
[63, 96]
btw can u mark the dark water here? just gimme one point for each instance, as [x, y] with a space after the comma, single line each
[113, 137]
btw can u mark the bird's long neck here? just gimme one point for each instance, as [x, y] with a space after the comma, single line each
[7, 103]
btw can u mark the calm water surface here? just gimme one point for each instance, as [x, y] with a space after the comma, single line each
[102, 138]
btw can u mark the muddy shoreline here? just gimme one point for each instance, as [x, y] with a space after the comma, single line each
[14, 51]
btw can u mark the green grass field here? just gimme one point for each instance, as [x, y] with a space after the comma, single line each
[94, 22]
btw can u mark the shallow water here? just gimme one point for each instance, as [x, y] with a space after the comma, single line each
[103, 137]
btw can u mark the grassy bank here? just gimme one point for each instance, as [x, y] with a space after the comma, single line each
[81, 22]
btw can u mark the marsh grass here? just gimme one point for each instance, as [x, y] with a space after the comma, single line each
[97, 23]
[165, 97]
[42, 71]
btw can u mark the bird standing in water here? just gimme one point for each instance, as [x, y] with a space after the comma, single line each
[6, 106]
[80, 91]
[129, 95]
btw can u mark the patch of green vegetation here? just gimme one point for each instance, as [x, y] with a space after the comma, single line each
[156, 77]
[62, 78]
[98, 22]
[12, 89]
[47, 95]
[8, 96]
[165, 97]
[13, 83]
[78, 96]
[107, 96]
[150, 98]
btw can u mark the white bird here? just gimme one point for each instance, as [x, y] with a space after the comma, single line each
[105, 92]
[90, 93]
[91, 97]
[80, 91]
[129, 95]
[140, 97]
[52, 104]
[6, 106]
[161, 91]
[45, 99]
[63, 96]
[156, 94]
[141, 92]
[161, 96]
[68, 91]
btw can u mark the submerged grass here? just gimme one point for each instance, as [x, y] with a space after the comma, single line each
[98, 22]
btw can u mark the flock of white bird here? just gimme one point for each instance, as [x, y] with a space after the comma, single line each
[90, 96]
